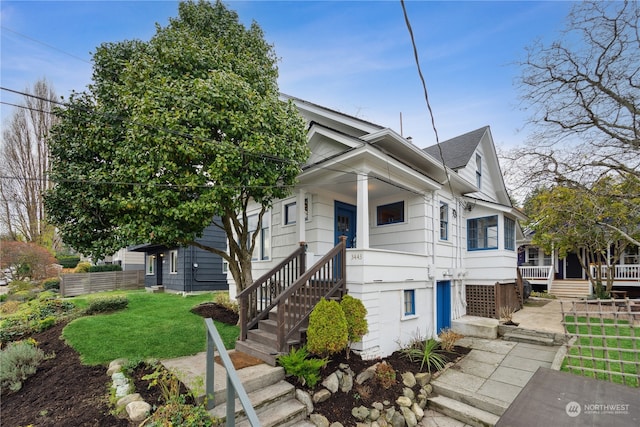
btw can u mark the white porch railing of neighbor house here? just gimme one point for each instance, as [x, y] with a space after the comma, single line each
[629, 272]
[535, 272]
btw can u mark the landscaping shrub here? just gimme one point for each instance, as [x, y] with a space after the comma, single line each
[21, 286]
[68, 261]
[82, 267]
[3, 297]
[107, 304]
[51, 283]
[222, 298]
[427, 353]
[356, 315]
[297, 364]
[104, 267]
[386, 375]
[18, 361]
[327, 333]
[25, 260]
[33, 316]
[448, 339]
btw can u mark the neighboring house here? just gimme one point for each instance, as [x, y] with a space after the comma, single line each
[417, 231]
[186, 269]
[127, 259]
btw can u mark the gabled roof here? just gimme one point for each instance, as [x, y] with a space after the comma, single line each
[458, 151]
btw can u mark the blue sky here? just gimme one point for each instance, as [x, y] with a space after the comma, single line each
[355, 57]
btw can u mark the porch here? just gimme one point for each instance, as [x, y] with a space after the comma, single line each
[626, 279]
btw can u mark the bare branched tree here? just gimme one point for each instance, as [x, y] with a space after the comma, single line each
[24, 163]
[583, 93]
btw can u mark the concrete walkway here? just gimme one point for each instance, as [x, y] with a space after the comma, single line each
[547, 318]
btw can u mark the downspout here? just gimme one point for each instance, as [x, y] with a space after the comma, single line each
[434, 319]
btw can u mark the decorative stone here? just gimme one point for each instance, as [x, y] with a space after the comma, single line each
[366, 375]
[121, 384]
[319, 420]
[363, 424]
[386, 403]
[343, 366]
[423, 378]
[124, 401]
[416, 409]
[375, 424]
[113, 369]
[389, 414]
[397, 420]
[336, 424]
[360, 413]
[422, 402]
[379, 406]
[408, 379]
[404, 401]
[321, 395]
[409, 417]
[382, 422]
[305, 399]
[407, 392]
[346, 383]
[331, 383]
[428, 389]
[374, 414]
[138, 410]
[119, 362]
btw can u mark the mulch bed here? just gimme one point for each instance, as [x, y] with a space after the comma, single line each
[63, 392]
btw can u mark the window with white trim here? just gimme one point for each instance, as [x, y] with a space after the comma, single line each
[262, 251]
[509, 234]
[478, 171]
[151, 265]
[392, 213]
[409, 302]
[533, 256]
[444, 221]
[173, 262]
[291, 212]
[482, 233]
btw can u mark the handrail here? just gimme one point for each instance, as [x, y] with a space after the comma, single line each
[258, 299]
[326, 278]
[234, 385]
[550, 277]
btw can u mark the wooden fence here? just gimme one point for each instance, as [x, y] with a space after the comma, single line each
[88, 283]
[491, 300]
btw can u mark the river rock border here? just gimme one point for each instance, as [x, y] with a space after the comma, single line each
[407, 410]
[137, 409]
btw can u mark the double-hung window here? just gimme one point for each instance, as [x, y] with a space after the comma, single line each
[409, 302]
[151, 265]
[509, 234]
[173, 262]
[291, 212]
[444, 221]
[482, 233]
[262, 251]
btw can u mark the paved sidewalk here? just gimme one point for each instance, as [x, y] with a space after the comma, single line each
[494, 372]
[547, 318]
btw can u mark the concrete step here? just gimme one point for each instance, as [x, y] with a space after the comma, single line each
[275, 405]
[528, 338]
[263, 337]
[458, 393]
[462, 412]
[254, 378]
[474, 326]
[287, 413]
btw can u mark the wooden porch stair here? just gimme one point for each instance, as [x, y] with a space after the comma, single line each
[275, 309]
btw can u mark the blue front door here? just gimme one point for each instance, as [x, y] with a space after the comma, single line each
[443, 305]
[345, 223]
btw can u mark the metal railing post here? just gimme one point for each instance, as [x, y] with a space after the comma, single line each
[210, 372]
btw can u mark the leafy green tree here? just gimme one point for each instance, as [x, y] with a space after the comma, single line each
[172, 133]
[597, 226]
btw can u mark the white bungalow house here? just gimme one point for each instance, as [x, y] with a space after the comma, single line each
[416, 231]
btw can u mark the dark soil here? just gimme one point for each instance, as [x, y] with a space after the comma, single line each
[64, 392]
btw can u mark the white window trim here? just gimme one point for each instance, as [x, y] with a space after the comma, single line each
[173, 265]
[404, 315]
[289, 202]
[151, 265]
[405, 213]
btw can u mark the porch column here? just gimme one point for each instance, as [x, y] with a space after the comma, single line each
[362, 230]
[301, 216]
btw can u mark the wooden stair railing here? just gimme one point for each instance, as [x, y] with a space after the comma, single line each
[258, 299]
[326, 279]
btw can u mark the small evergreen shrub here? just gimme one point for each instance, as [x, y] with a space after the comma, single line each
[18, 361]
[385, 375]
[356, 315]
[107, 304]
[3, 297]
[104, 267]
[327, 333]
[298, 364]
[18, 286]
[68, 261]
[82, 267]
[51, 283]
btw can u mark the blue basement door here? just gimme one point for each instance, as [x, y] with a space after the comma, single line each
[443, 305]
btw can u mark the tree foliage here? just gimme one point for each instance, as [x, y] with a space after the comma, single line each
[583, 94]
[597, 228]
[24, 260]
[24, 164]
[173, 132]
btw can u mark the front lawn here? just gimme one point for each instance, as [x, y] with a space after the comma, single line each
[591, 350]
[158, 326]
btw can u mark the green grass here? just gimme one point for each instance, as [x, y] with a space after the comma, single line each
[156, 326]
[619, 349]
